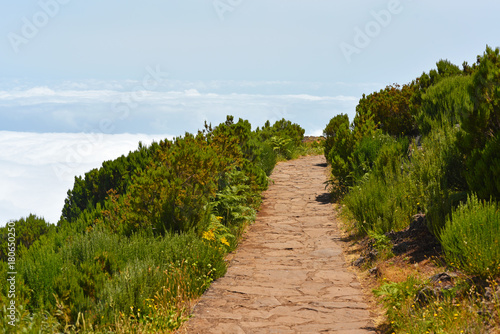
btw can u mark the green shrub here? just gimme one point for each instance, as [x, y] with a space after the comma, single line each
[27, 231]
[38, 269]
[483, 170]
[283, 129]
[394, 187]
[445, 102]
[436, 174]
[381, 205]
[390, 109]
[100, 274]
[337, 130]
[173, 193]
[471, 238]
[364, 155]
[283, 137]
[115, 174]
[339, 144]
[391, 158]
[267, 158]
[282, 146]
[483, 122]
[381, 200]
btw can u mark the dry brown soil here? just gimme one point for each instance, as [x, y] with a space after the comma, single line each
[289, 274]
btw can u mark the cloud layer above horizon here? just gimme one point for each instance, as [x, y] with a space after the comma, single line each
[176, 108]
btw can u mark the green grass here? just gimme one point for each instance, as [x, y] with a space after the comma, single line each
[103, 277]
[458, 310]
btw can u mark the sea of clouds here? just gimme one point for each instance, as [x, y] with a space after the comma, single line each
[173, 107]
[37, 169]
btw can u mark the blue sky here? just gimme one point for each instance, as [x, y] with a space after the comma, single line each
[160, 68]
[278, 40]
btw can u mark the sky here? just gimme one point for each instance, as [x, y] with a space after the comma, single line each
[95, 77]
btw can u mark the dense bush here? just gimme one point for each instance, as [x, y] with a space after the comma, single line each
[27, 231]
[483, 170]
[267, 158]
[436, 175]
[445, 102]
[173, 193]
[482, 123]
[391, 109]
[338, 146]
[383, 198]
[471, 238]
[284, 129]
[115, 174]
[395, 180]
[364, 155]
[337, 130]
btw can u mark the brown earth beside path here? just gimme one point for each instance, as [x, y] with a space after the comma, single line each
[288, 274]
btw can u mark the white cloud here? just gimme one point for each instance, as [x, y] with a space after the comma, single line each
[179, 107]
[39, 95]
[36, 170]
[317, 133]
[44, 94]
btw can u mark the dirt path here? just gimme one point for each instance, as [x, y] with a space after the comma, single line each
[288, 274]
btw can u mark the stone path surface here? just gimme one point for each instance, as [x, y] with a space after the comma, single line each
[288, 274]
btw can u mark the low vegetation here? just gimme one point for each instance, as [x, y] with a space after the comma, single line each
[144, 235]
[427, 149]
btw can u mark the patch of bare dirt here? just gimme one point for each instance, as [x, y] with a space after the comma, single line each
[412, 251]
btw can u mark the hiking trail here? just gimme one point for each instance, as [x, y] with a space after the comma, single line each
[288, 274]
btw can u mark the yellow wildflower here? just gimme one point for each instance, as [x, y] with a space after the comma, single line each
[209, 235]
[223, 240]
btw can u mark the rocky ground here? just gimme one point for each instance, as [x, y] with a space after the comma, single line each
[289, 274]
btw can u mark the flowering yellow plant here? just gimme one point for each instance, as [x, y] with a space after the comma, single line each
[217, 233]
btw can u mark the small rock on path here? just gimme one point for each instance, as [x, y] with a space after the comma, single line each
[288, 274]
